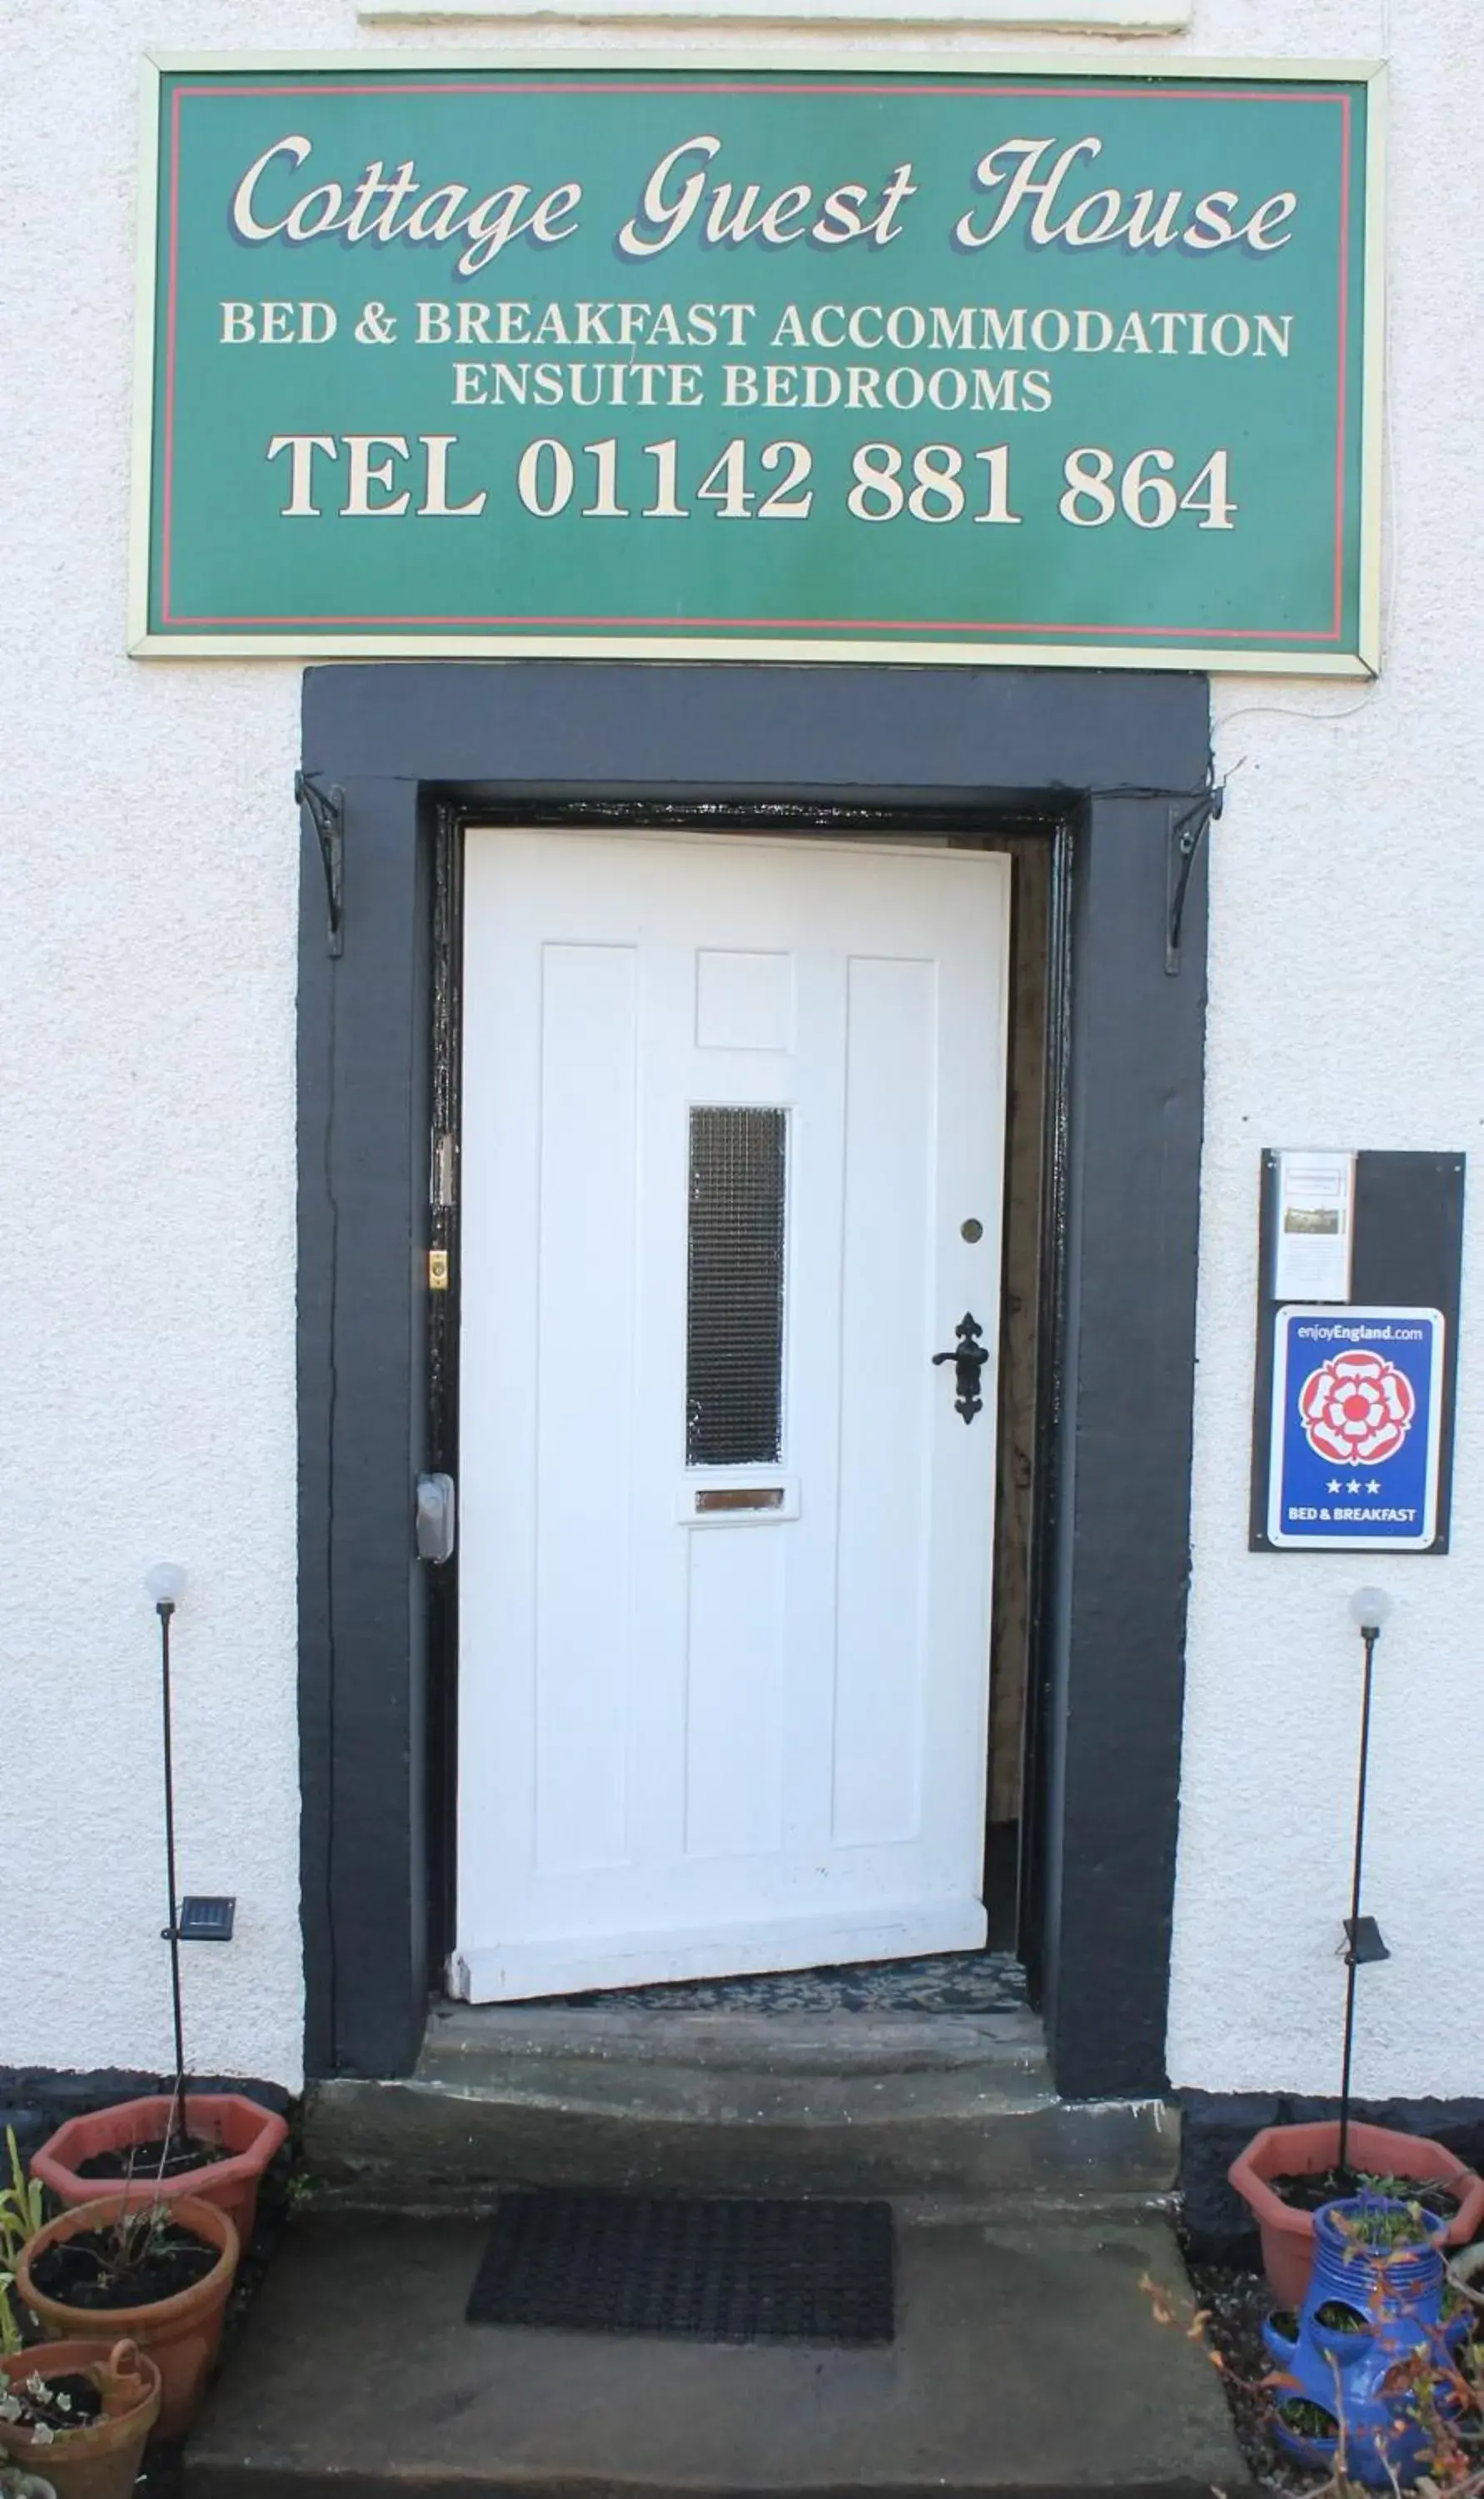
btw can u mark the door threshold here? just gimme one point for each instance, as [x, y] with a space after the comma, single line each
[944, 2013]
[545, 2048]
[948, 2109]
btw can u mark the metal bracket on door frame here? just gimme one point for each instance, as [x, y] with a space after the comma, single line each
[1187, 831]
[327, 814]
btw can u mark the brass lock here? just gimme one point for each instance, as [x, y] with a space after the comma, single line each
[437, 1271]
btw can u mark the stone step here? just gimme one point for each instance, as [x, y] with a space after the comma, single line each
[935, 2106]
[1027, 2361]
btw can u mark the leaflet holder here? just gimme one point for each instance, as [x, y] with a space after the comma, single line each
[1391, 1252]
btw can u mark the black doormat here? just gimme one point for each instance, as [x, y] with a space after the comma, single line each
[718, 2271]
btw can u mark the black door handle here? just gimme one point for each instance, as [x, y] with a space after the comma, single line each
[968, 1358]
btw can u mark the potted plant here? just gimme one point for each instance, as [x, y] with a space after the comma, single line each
[83, 2409]
[1287, 2172]
[213, 2145]
[155, 2274]
[1368, 2381]
[22, 2211]
[210, 2145]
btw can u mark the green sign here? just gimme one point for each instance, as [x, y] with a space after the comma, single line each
[903, 364]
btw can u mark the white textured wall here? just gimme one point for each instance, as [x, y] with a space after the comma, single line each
[1348, 1008]
[148, 902]
[147, 896]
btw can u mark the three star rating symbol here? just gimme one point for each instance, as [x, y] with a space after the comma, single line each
[1354, 1484]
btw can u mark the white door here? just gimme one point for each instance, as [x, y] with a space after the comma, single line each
[732, 1146]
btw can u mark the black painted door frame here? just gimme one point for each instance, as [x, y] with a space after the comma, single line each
[1111, 758]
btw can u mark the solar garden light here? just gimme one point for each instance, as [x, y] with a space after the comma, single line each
[166, 1585]
[1369, 1610]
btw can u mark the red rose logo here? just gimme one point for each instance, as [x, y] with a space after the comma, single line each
[1357, 1408]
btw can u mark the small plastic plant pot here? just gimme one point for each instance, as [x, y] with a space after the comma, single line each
[181, 2334]
[1466, 2272]
[100, 2459]
[248, 2135]
[1308, 2151]
[16, 2483]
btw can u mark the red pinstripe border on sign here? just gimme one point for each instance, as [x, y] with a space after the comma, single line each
[573, 86]
[172, 293]
[780, 625]
[1342, 352]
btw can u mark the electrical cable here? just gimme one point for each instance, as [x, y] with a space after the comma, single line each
[332, 1405]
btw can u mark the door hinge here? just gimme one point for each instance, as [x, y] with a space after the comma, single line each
[435, 1516]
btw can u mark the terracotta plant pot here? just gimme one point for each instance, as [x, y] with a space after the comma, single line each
[181, 2334]
[101, 2459]
[249, 2134]
[1307, 2152]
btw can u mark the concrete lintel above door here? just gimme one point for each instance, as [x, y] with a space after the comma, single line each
[989, 16]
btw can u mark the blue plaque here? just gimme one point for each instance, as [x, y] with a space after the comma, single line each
[1357, 1412]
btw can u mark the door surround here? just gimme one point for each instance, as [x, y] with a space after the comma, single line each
[1108, 759]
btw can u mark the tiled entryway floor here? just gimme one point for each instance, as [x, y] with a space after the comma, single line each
[983, 1982]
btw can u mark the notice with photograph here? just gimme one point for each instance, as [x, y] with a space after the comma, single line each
[1315, 1227]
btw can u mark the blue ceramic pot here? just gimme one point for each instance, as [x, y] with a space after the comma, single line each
[1384, 2377]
